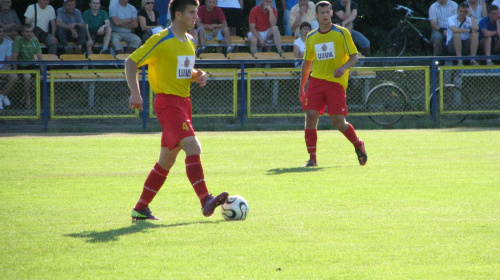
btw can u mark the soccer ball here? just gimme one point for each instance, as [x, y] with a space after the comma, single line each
[235, 208]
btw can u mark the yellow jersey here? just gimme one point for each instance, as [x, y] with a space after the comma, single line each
[170, 62]
[329, 51]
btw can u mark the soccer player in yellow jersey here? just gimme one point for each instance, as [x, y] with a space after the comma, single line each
[170, 57]
[332, 50]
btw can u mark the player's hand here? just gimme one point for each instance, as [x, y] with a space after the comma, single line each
[135, 102]
[339, 72]
[302, 95]
[202, 78]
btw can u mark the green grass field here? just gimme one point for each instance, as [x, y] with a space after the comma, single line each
[426, 206]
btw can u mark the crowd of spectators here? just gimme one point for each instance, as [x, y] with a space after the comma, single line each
[465, 29]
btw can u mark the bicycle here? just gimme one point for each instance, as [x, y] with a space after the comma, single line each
[392, 101]
[397, 38]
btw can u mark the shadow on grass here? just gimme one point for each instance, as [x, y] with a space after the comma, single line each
[136, 227]
[278, 171]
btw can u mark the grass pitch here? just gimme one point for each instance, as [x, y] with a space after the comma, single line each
[426, 206]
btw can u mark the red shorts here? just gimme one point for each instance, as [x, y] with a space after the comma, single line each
[174, 115]
[321, 93]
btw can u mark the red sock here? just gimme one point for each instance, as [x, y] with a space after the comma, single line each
[311, 136]
[350, 134]
[194, 172]
[153, 183]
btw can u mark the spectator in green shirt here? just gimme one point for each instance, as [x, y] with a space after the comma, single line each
[98, 26]
[25, 48]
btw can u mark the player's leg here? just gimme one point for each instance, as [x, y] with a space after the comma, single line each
[195, 174]
[154, 182]
[314, 105]
[340, 123]
[311, 136]
[337, 108]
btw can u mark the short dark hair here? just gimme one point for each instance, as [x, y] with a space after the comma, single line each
[180, 6]
[323, 4]
[305, 24]
[463, 5]
[27, 25]
[492, 8]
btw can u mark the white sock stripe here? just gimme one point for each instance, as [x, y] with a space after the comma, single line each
[197, 182]
[192, 163]
[151, 190]
[156, 171]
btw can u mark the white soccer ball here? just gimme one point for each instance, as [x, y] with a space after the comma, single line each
[235, 208]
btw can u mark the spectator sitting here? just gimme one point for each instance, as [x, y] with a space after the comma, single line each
[287, 8]
[489, 33]
[5, 54]
[496, 3]
[477, 9]
[346, 11]
[25, 48]
[263, 29]
[439, 12]
[71, 27]
[9, 20]
[40, 15]
[98, 27]
[148, 19]
[212, 25]
[462, 34]
[299, 45]
[194, 32]
[233, 11]
[123, 22]
[304, 11]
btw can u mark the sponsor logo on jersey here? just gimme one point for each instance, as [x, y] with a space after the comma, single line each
[324, 51]
[185, 66]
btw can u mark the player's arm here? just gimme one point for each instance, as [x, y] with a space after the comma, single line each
[339, 72]
[200, 77]
[135, 101]
[304, 74]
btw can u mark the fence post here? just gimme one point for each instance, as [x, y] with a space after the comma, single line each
[434, 79]
[45, 109]
[243, 95]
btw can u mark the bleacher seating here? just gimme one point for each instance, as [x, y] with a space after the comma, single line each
[212, 56]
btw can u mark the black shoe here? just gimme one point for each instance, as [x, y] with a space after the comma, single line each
[213, 202]
[143, 215]
[361, 153]
[310, 163]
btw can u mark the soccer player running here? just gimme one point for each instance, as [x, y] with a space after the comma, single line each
[170, 57]
[331, 49]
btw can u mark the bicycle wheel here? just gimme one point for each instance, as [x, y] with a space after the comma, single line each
[453, 100]
[386, 102]
[396, 42]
